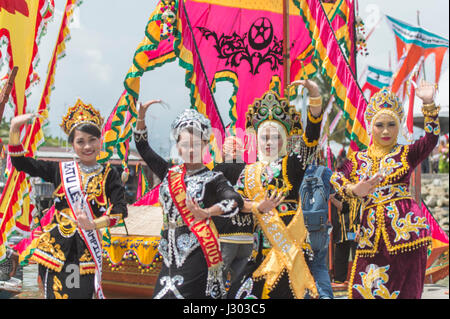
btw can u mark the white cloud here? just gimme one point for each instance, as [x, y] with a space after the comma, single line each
[96, 66]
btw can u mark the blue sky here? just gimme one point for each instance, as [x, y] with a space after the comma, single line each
[105, 34]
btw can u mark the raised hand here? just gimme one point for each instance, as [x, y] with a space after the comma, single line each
[310, 85]
[19, 120]
[426, 91]
[143, 107]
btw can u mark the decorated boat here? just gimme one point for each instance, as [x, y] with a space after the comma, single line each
[131, 262]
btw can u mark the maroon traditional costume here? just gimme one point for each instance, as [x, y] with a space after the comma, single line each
[392, 246]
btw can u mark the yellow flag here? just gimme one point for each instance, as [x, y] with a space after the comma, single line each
[18, 30]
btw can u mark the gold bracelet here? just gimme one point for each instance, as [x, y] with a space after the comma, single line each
[315, 101]
[348, 190]
[430, 105]
[101, 222]
[14, 138]
[430, 112]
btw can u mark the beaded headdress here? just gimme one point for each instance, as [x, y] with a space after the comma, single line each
[271, 107]
[384, 101]
[191, 118]
[79, 114]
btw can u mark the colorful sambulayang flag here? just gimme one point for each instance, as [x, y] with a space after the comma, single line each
[412, 44]
[241, 41]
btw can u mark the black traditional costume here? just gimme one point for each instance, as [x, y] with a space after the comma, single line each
[61, 251]
[192, 262]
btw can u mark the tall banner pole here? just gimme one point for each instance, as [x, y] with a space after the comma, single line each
[286, 47]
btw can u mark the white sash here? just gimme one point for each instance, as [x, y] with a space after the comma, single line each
[75, 197]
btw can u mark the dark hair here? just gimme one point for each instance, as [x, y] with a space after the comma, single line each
[85, 128]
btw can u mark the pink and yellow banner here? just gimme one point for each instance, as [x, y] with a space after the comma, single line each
[334, 66]
[246, 50]
[239, 41]
[439, 239]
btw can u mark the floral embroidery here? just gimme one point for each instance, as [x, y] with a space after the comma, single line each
[48, 253]
[170, 284]
[403, 226]
[432, 125]
[387, 193]
[367, 233]
[372, 283]
[57, 286]
[245, 291]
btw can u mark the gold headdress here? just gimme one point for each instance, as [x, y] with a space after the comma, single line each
[271, 107]
[81, 113]
[384, 101]
[273, 110]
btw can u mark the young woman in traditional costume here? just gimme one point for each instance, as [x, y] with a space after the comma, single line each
[391, 256]
[88, 196]
[278, 268]
[190, 194]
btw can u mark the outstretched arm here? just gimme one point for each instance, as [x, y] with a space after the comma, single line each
[37, 168]
[153, 160]
[420, 149]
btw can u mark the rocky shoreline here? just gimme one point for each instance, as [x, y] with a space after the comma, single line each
[435, 193]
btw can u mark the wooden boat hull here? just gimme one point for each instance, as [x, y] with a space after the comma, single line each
[129, 282]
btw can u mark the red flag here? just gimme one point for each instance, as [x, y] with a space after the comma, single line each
[439, 237]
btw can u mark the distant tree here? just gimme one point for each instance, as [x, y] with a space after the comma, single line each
[51, 141]
[4, 131]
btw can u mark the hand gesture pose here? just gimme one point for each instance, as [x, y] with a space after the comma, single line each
[314, 94]
[198, 212]
[426, 91]
[143, 107]
[310, 85]
[367, 186]
[83, 220]
[20, 120]
[269, 203]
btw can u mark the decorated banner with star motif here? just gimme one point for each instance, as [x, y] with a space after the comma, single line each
[238, 41]
[247, 52]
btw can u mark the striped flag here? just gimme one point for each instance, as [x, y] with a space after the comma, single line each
[377, 78]
[143, 187]
[413, 43]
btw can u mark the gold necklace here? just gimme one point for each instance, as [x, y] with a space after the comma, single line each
[378, 151]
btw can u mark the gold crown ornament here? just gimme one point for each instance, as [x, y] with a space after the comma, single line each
[384, 101]
[272, 107]
[79, 114]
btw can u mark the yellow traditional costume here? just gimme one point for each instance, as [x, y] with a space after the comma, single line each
[278, 268]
